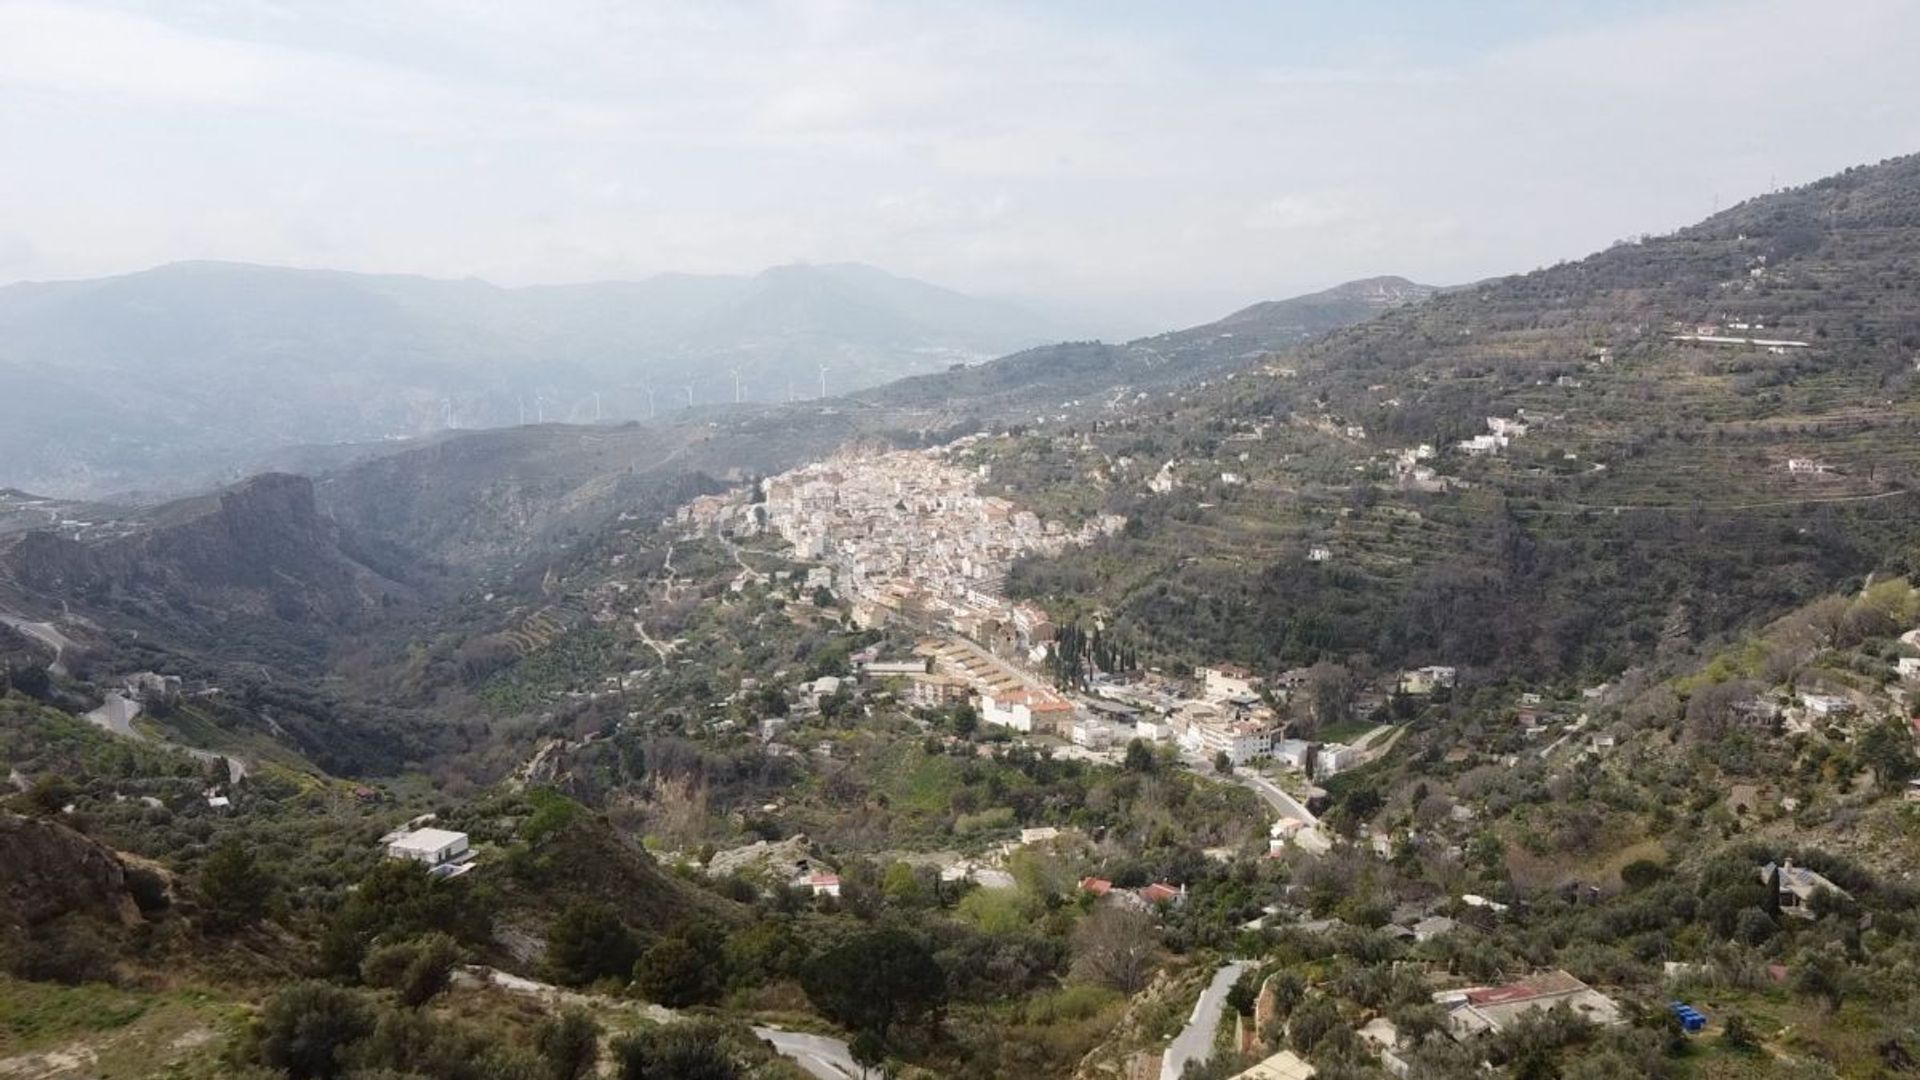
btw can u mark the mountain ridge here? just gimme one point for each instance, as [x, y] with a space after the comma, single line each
[189, 369]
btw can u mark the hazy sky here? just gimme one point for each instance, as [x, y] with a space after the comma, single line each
[1171, 159]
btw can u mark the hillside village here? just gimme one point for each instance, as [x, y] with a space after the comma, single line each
[1522, 683]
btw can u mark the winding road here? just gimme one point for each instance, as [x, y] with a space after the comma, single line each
[117, 714]
[46, 634]
[1195, 1041]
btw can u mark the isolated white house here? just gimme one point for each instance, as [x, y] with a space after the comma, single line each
[439, 850]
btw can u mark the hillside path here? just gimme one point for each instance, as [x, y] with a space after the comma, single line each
[821, 1056]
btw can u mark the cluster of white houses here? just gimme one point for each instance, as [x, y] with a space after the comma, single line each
[1226, 710]
[906, 538]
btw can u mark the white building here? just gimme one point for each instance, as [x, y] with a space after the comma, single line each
[1427, 679]
[1293, 753]
[820, 884]
[1153, 729]
[1225, 682]
[1336, 758]
[1027, 710]
[440, 850]
[1241, 740]
[1826, 704]
[1092, 734]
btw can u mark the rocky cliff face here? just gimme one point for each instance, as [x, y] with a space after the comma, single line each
[257, 550]
[52, 871]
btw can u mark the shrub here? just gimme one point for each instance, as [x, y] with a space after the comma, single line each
[305, 1028]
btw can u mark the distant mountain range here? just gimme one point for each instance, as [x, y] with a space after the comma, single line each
[191, 369]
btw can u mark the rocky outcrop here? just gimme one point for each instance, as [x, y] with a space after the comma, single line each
[53, 871]
[257, 550]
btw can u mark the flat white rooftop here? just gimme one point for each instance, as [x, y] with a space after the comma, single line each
[428, 839]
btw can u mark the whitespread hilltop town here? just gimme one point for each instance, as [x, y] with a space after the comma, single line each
[907, 541]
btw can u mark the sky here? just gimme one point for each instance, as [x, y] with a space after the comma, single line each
[1158, 162]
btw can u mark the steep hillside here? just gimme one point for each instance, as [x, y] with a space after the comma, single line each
[172, 375]
[1074, 375]
[1712, 426]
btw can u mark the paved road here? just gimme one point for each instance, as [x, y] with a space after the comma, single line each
[45, 633]
[820, 1056]
[1277, 797]
[1195, 1041]
[117, 716]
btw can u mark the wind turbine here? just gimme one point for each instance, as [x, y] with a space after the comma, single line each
[647, 389]
[521, 400]
[736, 385]
[596, 406]
[446, 412]
[689, 395]
[823, 380]
[540, 408]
